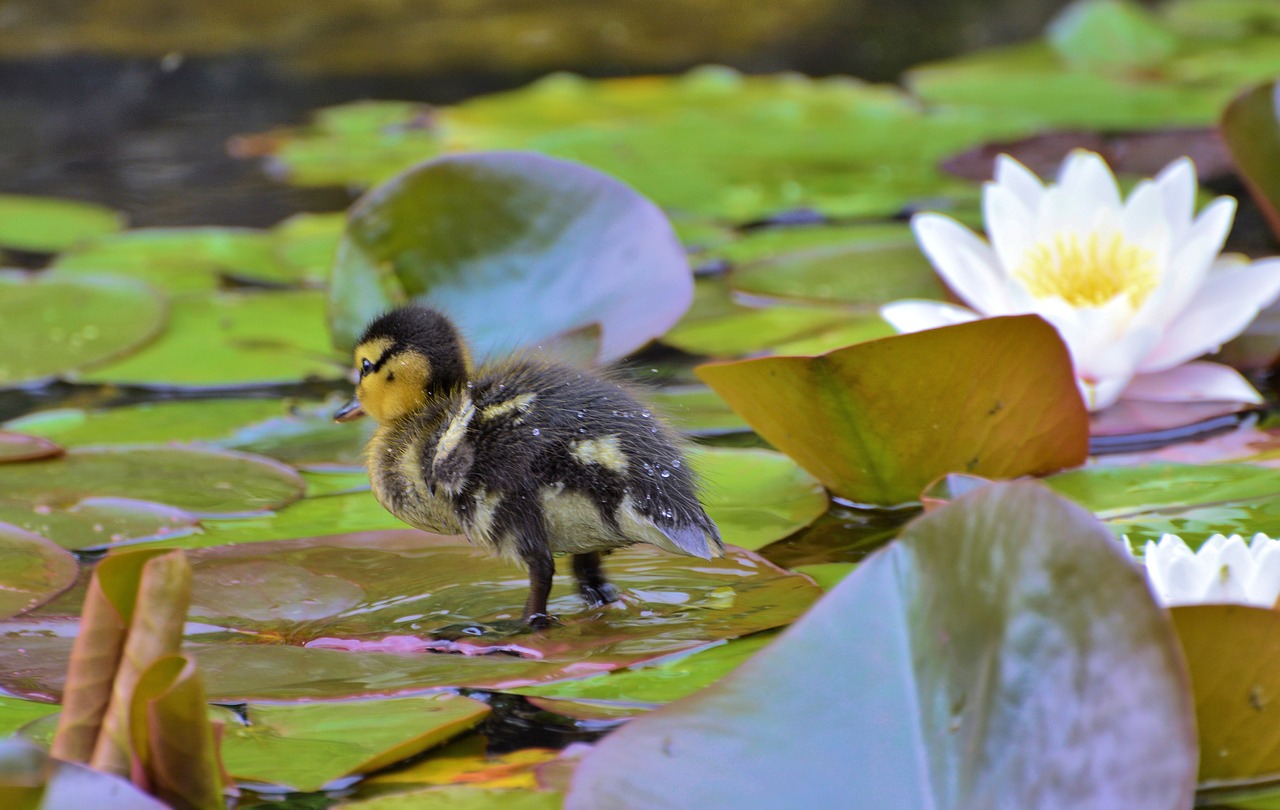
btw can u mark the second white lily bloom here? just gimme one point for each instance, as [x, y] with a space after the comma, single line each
[1223, 569]
[1135, 287]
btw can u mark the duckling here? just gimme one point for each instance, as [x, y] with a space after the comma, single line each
[527, 458]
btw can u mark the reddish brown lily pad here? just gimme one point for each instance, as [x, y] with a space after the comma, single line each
[32, 570]
[17, 447]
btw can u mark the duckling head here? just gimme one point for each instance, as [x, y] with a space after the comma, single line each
[405, 358]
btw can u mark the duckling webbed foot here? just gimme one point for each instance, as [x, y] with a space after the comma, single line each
[595, 589]
[496, 629]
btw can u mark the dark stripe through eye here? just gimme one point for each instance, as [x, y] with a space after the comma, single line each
[366, 368]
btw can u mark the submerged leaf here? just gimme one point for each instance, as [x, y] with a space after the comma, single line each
[519, 248]
[877, 421]
[971, 664]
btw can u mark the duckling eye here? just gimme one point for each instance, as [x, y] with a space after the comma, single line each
[366, 368]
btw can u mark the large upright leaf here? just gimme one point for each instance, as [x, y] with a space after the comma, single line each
[877, 421]
[1251, 129]
[1004, 654]
[173, 741]
[520, 248]
[51, 325]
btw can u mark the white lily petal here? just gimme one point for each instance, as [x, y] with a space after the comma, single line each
[916, 316]
[1231, 569]
[1089, 192]
[965, 262]
[1020, 180]
[1185, 580]
[1177, 184]
[1144, 224]
[1189, 263]
[1228, 301]
[1200, 381]
[1011, 226]
[1264, 588]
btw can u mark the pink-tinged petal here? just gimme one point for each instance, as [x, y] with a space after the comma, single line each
[1226, 304]
[1190, 262]
[1177, 184]
[916, 316]
[1101, 394]
[1193, 382]
[1020, 180]
[964, 261]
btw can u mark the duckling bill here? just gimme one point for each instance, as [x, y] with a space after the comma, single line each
[527, 458]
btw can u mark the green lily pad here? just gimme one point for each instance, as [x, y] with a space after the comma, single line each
[306, 746]
[309, 242]
[458, 797]
[697, 410]
[33, 570]
[309, 517]
[234, 339]
[995, 397]
[185, 260]
[48, 225]
[204, 420]
[202, 481]
[1251, 130]
[1193, 501]
[19, 447]
[1111, 36]
[638, 690]
[96, 523]
[17, 712]
[971, 664]
[519, 248]
[51, 326]
[356, 615]
[743, 330]
[757, 496]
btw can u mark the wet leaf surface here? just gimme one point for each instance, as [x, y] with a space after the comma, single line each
[466, 761]
[18, 447]
[306, 746]
[518, 248]
[48, 224]
[17, 712]
[931, 687]
[51, 326]
[202, 481]
[32, 570]
[187, 260]
[94, 523]
[875, 435]
[234, 339]
[757, 496]
[462, 798]
[340, 617]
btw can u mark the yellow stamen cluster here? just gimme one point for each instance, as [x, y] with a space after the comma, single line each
[1089, 271]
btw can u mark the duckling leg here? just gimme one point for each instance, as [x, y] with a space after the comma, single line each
[542, 569]
[591, 582]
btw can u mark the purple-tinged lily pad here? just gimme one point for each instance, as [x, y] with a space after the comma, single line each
[202, 481]
[30, 778]
[95, 523]
[357, 615]
[33, 570]
[51, 326]
[971, 664]
[519, 248]
[18, 447]
[877, 421]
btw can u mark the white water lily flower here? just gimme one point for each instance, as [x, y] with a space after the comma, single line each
[1224, 569]
[1134, 286]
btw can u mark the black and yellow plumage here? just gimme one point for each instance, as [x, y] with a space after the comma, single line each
[525, 457]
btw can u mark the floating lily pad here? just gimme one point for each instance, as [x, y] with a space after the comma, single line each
[16, 713]
[466, 761]
[338, 616]
[183, 260]
[51, 326]
[1251, 129]
[48, 225]
[234, 339]
[519, 248]
[878, 421]
[204, 420]
[757, 496]
[1190, 500]
[971, 664]
[1111, 35]
[309, 517]
[456, 797]
[309, 242]
[697, 410]
[1235, 694]
[744, 330]
[33, 570]
[95, 523]
[306, 746]
[203, 481]
[19, 447]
